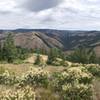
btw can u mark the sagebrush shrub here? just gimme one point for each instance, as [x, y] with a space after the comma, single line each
[36, 77]
[94, 69]
[73, 84]
[18, 94]
[7, 79]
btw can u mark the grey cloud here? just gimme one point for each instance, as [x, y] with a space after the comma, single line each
[91, 2]
[4, 12]
[48, 20]
[70, 10]
[38, 5]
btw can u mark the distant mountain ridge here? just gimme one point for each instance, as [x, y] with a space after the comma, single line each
[48, 38]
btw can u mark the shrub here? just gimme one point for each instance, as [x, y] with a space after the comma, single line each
[20, 94]
[73, 84]
[2, 69]
[94, 69]
[53, 54]
[7, 79]
[76, 92]
[38, 60]
[36, 77]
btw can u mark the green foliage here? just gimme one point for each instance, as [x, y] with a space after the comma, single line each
[2, 70]
[38, 60]
[94, 70]
[22, 53]
[56, 57]
[9, 49]
[0, 52]
[41, 51]
[63, 62]
[9, 52]
[73, 84]
[83, 55]
[53, 54]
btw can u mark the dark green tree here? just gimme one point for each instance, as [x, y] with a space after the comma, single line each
[0, 51]
[38, 58]
[52, 55]
[9, 49]
[82, 55]
[23, 53]
[63, 57]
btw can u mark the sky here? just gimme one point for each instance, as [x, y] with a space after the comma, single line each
[50, 14]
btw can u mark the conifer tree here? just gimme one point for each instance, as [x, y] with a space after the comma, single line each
[53, 54]
[82, 55]
[38, 58]
[0, 51]
[9, 49]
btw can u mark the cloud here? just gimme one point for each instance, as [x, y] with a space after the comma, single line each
[60, 14]
[38, 5]
[6, 6]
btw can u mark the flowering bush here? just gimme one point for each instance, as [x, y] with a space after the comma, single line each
[76, 92]
[94, 69]
[20, 94]
[36, 77]
[73, 84]
[7, 79]
[80, 74]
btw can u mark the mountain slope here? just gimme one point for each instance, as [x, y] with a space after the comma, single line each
[47, 38]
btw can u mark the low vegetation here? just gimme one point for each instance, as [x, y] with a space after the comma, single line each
[25, 93]
[71, 83]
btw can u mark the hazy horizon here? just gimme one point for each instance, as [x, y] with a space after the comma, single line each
[47, 29]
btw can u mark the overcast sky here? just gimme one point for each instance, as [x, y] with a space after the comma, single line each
[56, 14]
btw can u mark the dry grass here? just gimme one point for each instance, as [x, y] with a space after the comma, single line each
[96, 85]
[17, 69]
[33, 57]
